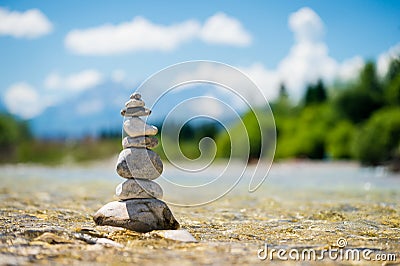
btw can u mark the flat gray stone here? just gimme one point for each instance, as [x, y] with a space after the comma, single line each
[140, 142]
[135, 111]
[139, 163]
[134, 103]
[140, 215]
[135, 127]
[136, 188]
[180, 235]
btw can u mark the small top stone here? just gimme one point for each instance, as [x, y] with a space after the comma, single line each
[136, 96]
[134, 103]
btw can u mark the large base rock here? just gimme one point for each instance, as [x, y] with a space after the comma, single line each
[140, 215]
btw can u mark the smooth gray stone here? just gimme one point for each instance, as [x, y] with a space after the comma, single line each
[180, 235]
[136, 188]
[140, 215]
[140, 142]
[136, 96]
[139, 163]
[135, 127]
[135, 111]
[134, 103]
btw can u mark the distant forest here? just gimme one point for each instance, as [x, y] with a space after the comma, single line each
[359, 120]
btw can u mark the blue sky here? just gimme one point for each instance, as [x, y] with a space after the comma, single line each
[53, 50]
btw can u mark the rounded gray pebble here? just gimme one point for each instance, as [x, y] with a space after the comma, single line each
[138, 189]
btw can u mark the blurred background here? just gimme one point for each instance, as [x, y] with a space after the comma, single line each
[330, 71]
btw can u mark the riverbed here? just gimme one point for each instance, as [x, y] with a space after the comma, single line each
[46, 216]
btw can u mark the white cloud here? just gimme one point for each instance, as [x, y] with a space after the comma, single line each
[350, 68]
[29, 24]
[75, 82]
[267, 80]
[138, 34]
[307, 61]
[23, 100]
[141, 34]
[222, 29]
[385, 58]
[118, 75]
[214, 106]
[306, 25]
[308, 58]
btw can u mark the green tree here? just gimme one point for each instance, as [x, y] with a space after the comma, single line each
[315, 93]
[394, 69]
[282, 105]
[379, 139]
[392, 92]
[392, 83]
[359, 101]
[340, 140]
[369, 80]
[304, 135]
[12, 133]
[244, 138]
[283, 94]
[9, 131]
[356, 105]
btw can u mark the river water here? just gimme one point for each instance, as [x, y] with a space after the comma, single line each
[300, 204]
[290, 181]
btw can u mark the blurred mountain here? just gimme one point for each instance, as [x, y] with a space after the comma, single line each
[97, 111]
[89, 113]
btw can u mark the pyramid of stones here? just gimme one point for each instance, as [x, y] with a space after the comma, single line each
[139, 208]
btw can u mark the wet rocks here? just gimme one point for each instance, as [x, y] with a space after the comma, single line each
[139, 208]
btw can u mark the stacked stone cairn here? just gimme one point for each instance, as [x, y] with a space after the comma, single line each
[139, 208]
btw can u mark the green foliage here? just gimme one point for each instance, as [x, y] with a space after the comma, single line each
[190, 142]
[57, 152]
[369, 81]
[244, 139]
[223, 145]
[379, 139]
[282, 105]
[12, 133]
[394, 70]
[9, 131]
[41, 152]
[392, 93]
[357, 105]
[340, 140]
[304, 135]
[315, 94]
[283, 94]
[358, 102]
